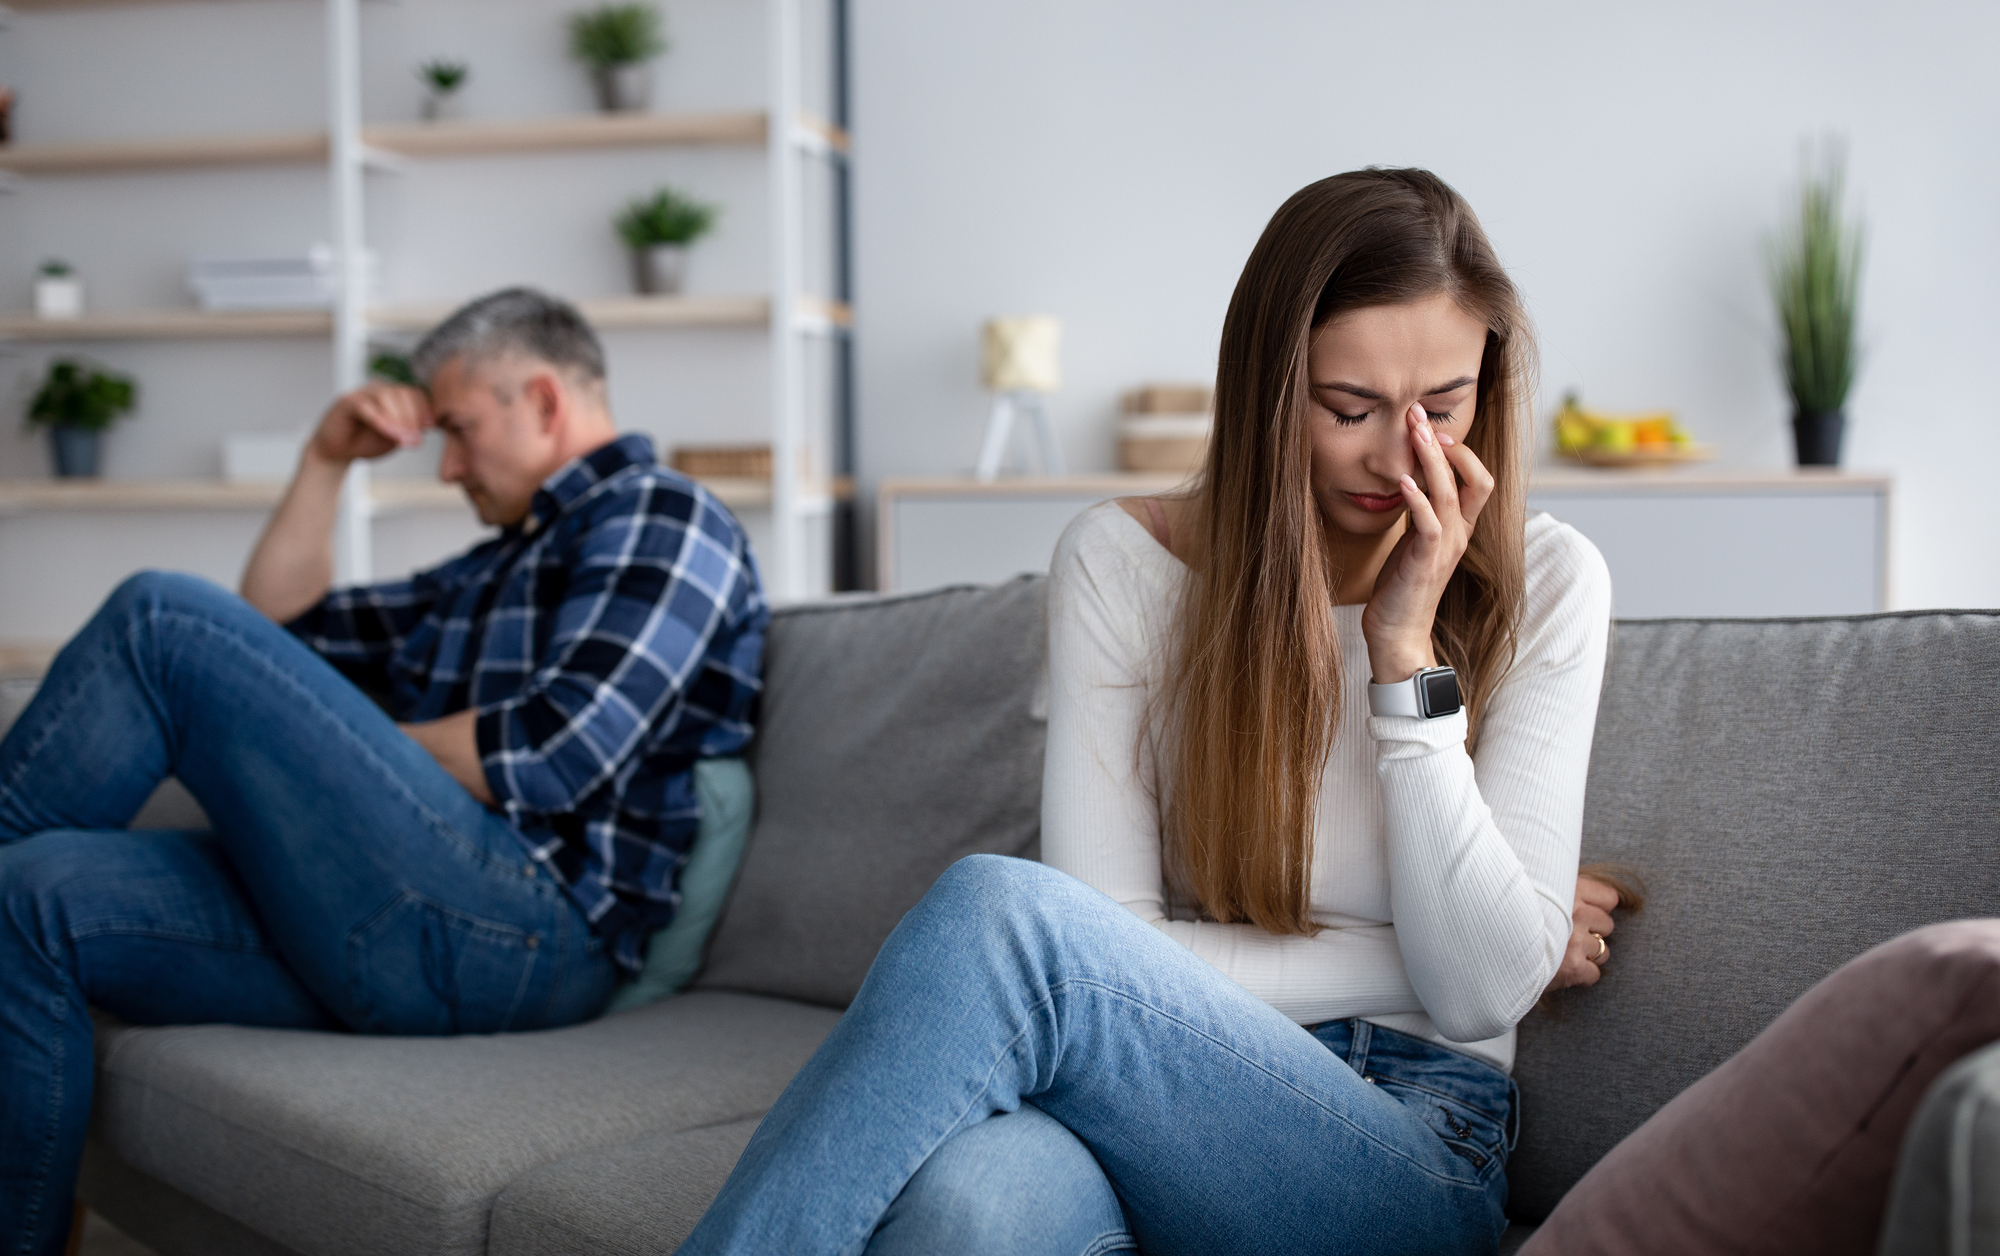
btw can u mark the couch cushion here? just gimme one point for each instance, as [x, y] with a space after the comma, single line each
[1794, 792]
[640, 1198]
[896, 736]
[336, 1143]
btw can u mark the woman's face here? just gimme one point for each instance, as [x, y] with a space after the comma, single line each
[1367, 367]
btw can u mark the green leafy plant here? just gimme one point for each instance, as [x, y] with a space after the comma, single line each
[1815, 274]
[74, 395]
[616, 34]
[393, 367]
[55, 268]
[665, 217]
[442, 76]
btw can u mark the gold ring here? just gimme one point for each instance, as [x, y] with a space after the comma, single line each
[1603, 947]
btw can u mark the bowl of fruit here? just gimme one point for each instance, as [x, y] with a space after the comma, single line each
[1624, 440]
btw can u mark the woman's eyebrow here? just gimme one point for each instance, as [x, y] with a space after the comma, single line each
[1369, 394]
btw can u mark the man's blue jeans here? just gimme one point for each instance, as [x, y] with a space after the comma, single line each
[348, 882]
[1029, 1068]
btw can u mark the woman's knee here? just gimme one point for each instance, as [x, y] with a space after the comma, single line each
[1014, 1184]
[997, 886]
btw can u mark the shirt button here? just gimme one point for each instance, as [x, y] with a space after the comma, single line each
[534, 941]
[527, 870]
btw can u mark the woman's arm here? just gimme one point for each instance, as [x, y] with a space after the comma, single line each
[1483, 851]
[1100, 813]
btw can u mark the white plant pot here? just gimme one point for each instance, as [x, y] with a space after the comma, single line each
[660, 270]
[443, 107]
[59, 298]
[624, 88]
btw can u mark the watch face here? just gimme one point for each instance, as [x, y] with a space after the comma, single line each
[1440, 692]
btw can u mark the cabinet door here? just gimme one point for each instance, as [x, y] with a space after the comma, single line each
[974, 539]
[1732, 554]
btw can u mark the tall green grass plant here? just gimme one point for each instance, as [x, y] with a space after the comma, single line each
[1815, 274]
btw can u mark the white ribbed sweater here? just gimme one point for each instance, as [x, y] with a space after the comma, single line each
[1444, 880]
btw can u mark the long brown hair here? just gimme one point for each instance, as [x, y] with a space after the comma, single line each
[1252, 692]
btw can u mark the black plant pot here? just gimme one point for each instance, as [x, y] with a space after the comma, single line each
[1817, 434]
[75, 451]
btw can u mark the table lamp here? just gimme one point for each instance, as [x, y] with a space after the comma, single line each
[1021, 364]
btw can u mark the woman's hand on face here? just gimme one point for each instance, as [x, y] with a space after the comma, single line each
[1583, 961]
[1445, 496]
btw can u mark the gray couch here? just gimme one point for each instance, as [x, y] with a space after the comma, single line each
[1793, 791]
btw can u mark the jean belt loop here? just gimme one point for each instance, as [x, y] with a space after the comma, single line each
[1357, 1051]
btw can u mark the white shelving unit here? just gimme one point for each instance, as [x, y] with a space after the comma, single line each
[796, 504]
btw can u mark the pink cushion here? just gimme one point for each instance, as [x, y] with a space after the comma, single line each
[1789, 1146]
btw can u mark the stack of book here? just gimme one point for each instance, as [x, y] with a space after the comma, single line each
[307, 279]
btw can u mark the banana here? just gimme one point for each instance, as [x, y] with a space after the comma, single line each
[1578, 429]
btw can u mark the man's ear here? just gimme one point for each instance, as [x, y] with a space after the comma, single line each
[543, 393]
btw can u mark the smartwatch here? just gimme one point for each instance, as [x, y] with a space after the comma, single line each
[1430, 694]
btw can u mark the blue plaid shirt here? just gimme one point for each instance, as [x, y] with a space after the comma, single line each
[608, 641]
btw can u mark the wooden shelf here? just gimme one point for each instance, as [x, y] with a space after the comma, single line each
[180, 152]
[538, 135]
[1702, 478]
[387, 497]
[181, 324]
[607, 313]
[433, 139]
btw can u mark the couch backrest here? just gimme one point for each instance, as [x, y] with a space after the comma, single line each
[895, 736]
[1793, 792]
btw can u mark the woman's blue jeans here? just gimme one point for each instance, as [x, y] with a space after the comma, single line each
[1029, 1068]
[348, 882]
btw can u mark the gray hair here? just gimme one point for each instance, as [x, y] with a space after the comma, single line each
[513, 320]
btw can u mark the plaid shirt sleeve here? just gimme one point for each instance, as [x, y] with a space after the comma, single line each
[359, 629]
[650, 581]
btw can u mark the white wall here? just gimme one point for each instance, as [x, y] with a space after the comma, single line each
[1112, 162]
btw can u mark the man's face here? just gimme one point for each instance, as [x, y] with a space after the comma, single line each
[498, 438]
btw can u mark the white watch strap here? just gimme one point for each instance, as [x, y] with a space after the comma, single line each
[1400, 698]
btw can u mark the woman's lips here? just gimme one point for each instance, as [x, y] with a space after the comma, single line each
[1378, 503]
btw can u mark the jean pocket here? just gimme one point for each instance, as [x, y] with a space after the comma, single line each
[417, 967]
[1474, 1136]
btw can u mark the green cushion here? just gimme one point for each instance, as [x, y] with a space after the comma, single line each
[728, 797]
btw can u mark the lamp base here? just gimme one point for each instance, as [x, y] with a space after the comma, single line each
[1000, 427]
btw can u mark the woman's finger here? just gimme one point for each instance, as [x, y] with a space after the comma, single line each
[1591, 920]
[1438, 479]
[1596, 893]
[1423, 517]
[1476, 482]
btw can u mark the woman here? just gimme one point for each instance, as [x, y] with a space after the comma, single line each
[1262, 997]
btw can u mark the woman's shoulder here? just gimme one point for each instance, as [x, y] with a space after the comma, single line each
[1108, 557]
[1565, 574]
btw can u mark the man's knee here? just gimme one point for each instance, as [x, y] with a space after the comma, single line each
[148, 590]
[36, 876]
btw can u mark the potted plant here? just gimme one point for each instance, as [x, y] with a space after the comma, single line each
[617, 42]
[1815, 272]
[658, 229]
[58, 292]
[441, 80]
[76, 403]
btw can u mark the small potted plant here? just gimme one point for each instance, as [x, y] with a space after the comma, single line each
[1815, 272]
[658, 229]
[76, 403]
[442, 79]
[618, 42]
[58, 292]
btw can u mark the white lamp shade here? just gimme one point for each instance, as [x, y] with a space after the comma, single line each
[1023, 354]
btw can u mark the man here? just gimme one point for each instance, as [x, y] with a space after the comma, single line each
[494, 860]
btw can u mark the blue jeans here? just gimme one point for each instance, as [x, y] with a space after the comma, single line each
[348, 882]
[1029, 1068]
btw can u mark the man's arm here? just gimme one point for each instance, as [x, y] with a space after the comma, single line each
[292, 566]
